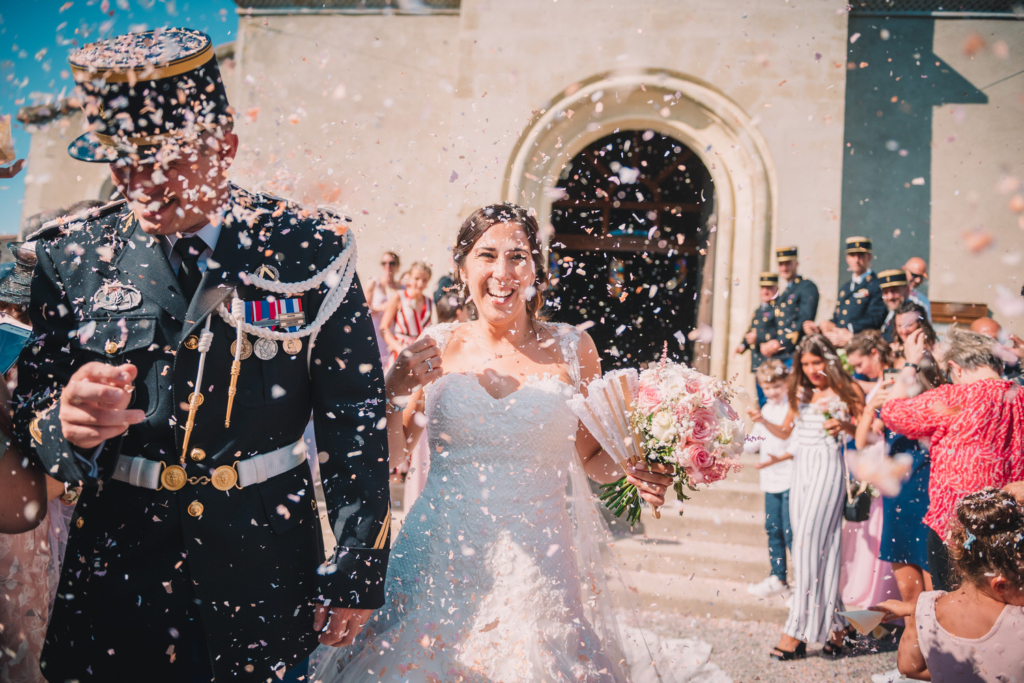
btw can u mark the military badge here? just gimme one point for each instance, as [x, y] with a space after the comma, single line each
[279, 313]
[265, 348]
[861, 293]
[115, 296]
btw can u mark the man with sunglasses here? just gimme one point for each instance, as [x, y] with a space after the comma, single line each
[916, 269]
[185, 335]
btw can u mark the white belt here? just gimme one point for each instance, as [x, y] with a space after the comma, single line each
[146, 473]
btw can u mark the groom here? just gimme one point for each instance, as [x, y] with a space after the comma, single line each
[195, 551]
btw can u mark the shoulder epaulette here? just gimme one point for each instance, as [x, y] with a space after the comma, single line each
[53, 228]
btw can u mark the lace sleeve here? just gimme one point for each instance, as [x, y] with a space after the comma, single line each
[441, 333]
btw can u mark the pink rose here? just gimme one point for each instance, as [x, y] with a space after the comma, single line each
[704, 425]
[726, 410]
[694, 385]
[649, 397]
[700, 457]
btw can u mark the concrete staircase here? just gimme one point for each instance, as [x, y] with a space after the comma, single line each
[698, 564]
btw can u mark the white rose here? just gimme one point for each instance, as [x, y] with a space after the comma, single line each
[663, 426]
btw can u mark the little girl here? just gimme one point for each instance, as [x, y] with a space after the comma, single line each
[409, 310]
[972, 634]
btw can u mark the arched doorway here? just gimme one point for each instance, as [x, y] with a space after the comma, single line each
[631, 244]
[718, 131]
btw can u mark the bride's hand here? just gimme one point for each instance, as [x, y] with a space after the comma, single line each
[651, 481]
[417, 365]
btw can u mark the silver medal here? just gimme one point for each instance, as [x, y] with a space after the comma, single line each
[265, 349]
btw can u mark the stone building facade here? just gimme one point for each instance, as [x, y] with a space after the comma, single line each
[796, 123]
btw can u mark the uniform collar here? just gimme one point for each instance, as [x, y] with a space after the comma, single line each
[858, 279]
[209, 234]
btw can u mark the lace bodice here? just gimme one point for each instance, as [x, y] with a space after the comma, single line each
[508, 450]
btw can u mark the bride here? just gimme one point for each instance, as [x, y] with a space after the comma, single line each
[484, 582]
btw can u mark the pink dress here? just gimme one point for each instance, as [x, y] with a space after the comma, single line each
[993, 658]
[865, 580]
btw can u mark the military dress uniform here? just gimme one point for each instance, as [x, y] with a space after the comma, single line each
[763, 323]
[795, 305]
[207, 557]
[859, 305]
[886, 279]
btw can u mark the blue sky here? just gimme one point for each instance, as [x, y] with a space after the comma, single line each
[36, 37]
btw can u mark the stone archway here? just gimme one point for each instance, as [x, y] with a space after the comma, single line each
[716, 129]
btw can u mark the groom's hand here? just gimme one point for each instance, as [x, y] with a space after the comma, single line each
[345, 624]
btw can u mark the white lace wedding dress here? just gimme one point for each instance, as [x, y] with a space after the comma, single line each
[484, 581]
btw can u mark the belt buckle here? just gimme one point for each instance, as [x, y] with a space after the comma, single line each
[225, 477]
[172, 478]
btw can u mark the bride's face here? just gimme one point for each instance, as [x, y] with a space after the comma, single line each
[499, 270]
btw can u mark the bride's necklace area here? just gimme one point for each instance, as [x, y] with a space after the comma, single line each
[498, 355]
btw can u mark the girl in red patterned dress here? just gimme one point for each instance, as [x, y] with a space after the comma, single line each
[976, 428]
[409, 310]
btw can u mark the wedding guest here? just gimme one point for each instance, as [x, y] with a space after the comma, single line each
[865, 579]
[821, 421]
[911, 316]
[379, 292]
[408, 313]
[776, 473]
[761, 339]
[859, 305]
[895, 291]
[972, 634]
[797, 304]
[975, 426]
[917, 272]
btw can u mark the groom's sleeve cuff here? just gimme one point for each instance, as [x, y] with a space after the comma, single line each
[354, 578]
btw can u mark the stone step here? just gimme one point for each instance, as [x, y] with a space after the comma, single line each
[728, 494]
[743, 563]
[686, 596]
[698, 523]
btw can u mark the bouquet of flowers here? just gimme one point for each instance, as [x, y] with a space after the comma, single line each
[669, 414]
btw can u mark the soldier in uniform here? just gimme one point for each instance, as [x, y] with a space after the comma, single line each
[895, 288]
[760, 339]
[185, 335]
[797, 304]
[859, 305]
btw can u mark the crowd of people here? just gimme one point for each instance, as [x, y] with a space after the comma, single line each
[871, 431]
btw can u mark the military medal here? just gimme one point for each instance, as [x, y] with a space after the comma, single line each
[246, 349]
[267, 272]
[265, 348]
[291, 346]
[281, 314]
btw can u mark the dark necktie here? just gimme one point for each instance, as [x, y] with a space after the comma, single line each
[189, 249]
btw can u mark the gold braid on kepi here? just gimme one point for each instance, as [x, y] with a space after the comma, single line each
[144, 93]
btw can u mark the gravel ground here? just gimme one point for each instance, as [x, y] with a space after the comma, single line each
[740, 649]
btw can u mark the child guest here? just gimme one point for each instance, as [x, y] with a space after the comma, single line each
[973, 634]
[776, 473]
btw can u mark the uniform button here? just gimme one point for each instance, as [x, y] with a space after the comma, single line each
[844, 311]
[197, 454]
[195, 508]
[80, 522]
[111, 347]
[192, 343]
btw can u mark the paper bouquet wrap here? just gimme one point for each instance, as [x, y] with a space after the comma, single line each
[669, 414]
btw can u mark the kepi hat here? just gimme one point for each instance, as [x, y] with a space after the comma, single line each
[767, 279]
[785, 254]
[858, 245]
[892, 278]
[145, 92]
